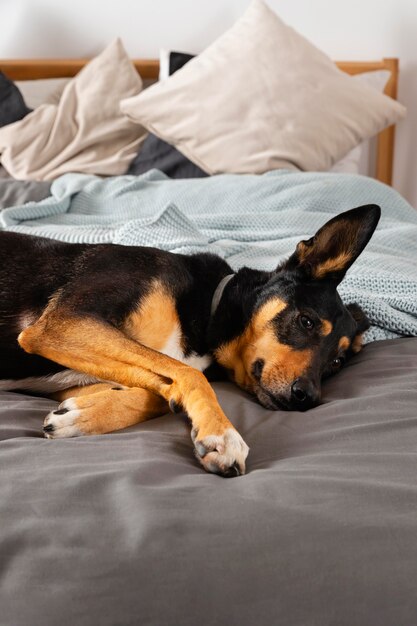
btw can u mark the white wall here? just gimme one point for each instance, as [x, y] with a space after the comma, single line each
[345, 29]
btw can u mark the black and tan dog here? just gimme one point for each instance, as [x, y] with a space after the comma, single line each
[122, 333]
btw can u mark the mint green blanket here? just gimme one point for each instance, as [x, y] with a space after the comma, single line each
[248, 220]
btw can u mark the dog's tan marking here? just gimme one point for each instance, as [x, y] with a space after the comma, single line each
[96, 348]
[232, 355]
[326, 327]
[344, 343]
[266, 313]
[337, 264]
[283, 364]
[357, 343]
[154, 320]
[155, 323]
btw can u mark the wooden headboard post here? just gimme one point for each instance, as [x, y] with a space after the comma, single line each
[386, 138]
[149, 69]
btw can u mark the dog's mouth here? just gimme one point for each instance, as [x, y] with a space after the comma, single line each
[271, 401]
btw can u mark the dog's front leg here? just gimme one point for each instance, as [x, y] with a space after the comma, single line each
[94, 347]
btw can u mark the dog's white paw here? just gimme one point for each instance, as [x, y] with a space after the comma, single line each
[63, 421]
[221, 454]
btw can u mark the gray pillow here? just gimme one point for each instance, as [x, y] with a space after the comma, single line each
[12, 105]
[177, 60]
[158, 154]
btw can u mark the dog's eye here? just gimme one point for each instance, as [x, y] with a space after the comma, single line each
[306, 322]
[337, 364]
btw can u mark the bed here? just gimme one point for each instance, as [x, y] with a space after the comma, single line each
[126, 528]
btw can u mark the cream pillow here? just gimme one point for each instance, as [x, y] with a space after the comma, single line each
[85, 131]
[262, 97]
[42, 90]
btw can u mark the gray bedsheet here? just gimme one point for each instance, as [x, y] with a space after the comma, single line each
[15, 192]
[127, 529]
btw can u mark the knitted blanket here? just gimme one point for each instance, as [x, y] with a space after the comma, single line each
[248, 220]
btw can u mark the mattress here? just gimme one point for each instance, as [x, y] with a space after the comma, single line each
[127, 528]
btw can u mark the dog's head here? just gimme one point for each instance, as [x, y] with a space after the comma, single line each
[298, 330]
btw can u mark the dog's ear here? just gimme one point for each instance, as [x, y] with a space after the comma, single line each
[336, 245]
[362, 324]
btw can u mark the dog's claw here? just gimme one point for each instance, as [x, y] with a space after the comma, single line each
[234, 470]
[174, 406]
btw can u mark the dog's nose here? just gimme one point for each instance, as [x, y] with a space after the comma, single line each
[304, 394]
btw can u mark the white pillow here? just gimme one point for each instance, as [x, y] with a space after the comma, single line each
[358, 159]
[85, 131]
[163, 64]
[262, 97]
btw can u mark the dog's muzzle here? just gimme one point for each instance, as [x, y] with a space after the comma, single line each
[303, 395]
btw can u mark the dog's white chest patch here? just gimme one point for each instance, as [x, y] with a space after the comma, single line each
[173, 349]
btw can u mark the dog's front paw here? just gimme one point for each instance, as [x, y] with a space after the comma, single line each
[221, 454]
[63, 421]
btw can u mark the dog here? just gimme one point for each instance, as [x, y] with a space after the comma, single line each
[122, 334]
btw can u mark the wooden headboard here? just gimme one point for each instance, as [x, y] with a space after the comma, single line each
[23, 69]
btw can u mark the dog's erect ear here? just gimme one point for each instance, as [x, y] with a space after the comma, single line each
[362, 324]
[337, 244]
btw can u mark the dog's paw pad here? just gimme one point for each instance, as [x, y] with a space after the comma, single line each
[222, 454]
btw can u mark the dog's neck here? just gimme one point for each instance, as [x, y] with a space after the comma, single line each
[232, 305]
[215, 308]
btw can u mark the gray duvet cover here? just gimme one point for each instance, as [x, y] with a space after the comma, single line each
[127, 529]
[14, 192]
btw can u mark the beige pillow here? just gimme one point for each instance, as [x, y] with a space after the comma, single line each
[262, 97]
[85, 131]
[41, 91]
